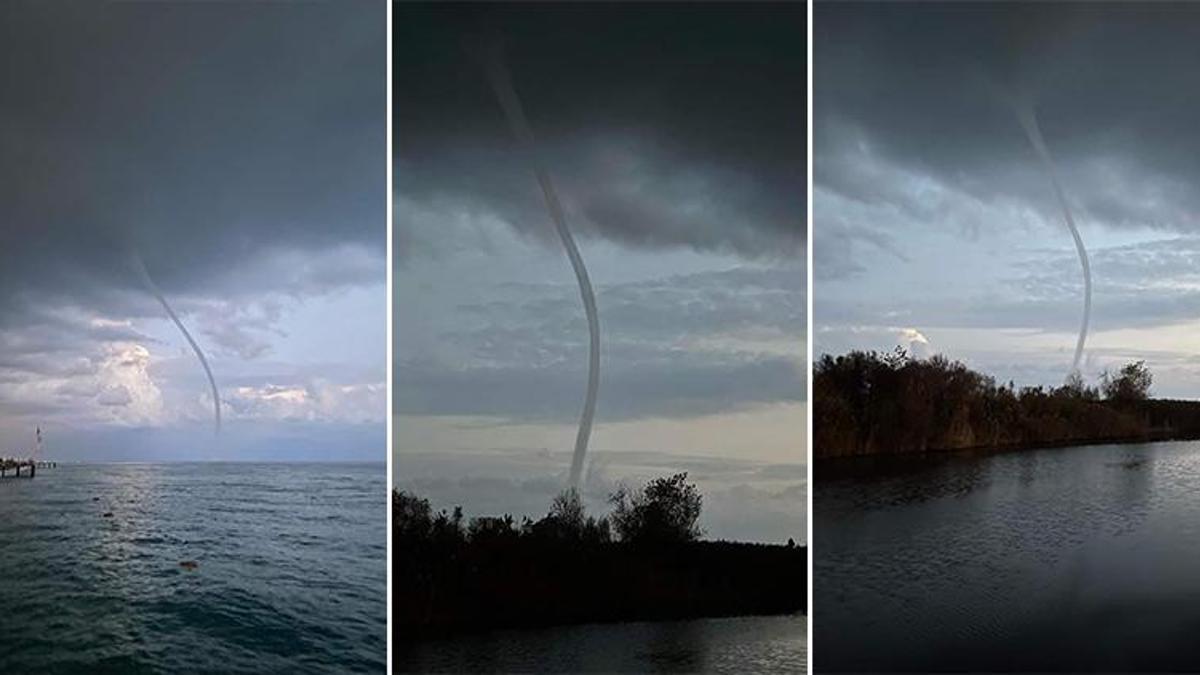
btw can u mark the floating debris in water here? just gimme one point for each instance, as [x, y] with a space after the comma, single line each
[189, 564]
[107, 514]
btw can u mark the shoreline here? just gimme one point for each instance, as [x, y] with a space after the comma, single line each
[1018, 447]
[883, 405]
[847, 465]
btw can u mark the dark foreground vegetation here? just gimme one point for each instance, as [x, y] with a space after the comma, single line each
[644, 561]
[867, 403]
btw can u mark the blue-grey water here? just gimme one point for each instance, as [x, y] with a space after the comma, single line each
[1060, 559]
[290, 569]
[752, 644]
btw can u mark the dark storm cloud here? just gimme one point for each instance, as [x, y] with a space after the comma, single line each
[918, 88]
[207, 136]
[666, 125]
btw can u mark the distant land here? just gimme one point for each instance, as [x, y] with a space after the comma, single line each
[643, 562]
[871, 403]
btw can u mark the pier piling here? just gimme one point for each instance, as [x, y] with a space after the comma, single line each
[14, 468]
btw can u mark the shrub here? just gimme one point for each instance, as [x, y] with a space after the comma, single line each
[665, 511]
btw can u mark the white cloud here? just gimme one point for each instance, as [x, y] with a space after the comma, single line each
[128, 392]
[114, 396]
[316, 400]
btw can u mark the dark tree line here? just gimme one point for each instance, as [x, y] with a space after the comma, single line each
[665, 511]
[867, 403]
[642, 561]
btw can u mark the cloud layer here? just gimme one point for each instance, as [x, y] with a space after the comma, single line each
[236, 148]
[930, 210]
[671, 127]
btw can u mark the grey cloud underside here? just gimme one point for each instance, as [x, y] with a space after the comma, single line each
[655, 141]
[623, 188]
[643, 318]
[1140, 285]
[682, 387]
[1113, 85]
[205, 136]
[679, 346]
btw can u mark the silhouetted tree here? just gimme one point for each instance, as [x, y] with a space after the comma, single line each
[1128, 385]
[568, 521]
[565, 568]
[412, 518]
[665, 511]
[1075, 384]
[415, 525]
[488, 529]
[567, 510]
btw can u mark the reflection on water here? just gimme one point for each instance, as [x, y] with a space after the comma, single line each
[1057, 559]
[775, 644]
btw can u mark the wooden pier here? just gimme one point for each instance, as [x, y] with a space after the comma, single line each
[21, 468]
[12, 467]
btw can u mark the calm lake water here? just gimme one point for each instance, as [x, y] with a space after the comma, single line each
[1058, 559]
[291, 573]
[757, 644]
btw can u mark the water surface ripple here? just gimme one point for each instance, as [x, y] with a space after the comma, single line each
[1059, 559]
[735, 645]
[290, 575]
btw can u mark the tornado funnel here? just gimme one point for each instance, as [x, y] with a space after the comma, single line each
[1029, 122]
[501, 81]
[154, 290]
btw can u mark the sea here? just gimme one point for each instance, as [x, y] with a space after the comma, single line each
[206, 567]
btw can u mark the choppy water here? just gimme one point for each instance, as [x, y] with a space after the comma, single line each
[1059, 559]
[753, 644]
[291, 573]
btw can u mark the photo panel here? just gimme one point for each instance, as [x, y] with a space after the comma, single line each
[599, 337]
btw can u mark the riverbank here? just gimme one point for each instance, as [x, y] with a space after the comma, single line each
[867, 404]
[644, 561]
[834, 464]
[523, 585]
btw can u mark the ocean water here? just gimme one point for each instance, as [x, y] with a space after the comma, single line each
[290, 571]
[735, 645]
[1064, 559]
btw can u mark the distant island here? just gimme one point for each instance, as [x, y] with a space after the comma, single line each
[871, 403]
[645, 561]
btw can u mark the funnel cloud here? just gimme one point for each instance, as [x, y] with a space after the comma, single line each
[140, 266]
[1028, 118]
[501, 80]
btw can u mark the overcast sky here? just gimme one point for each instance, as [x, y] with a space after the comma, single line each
[934, 221]
[675, 135]
[239, 149]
